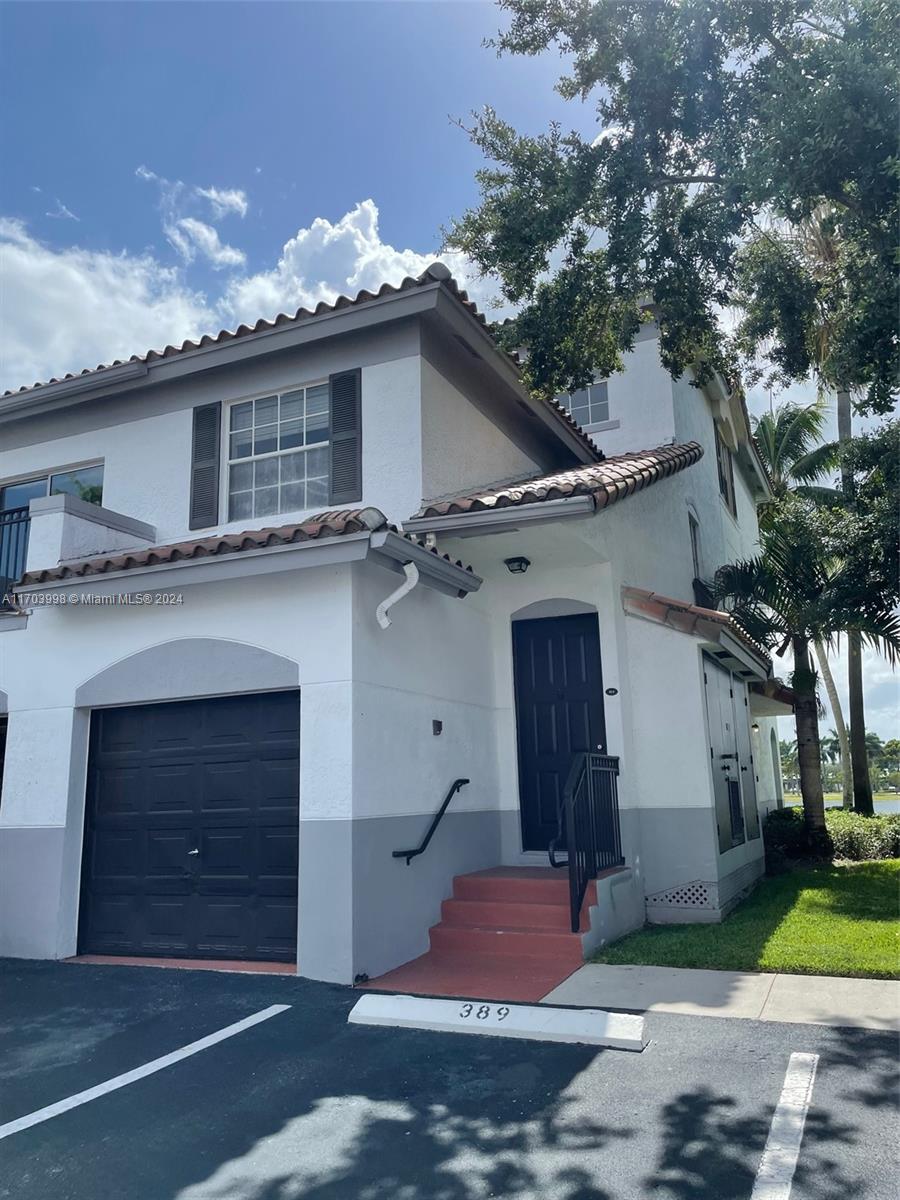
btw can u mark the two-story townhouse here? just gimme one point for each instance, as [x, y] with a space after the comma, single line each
[282, 591]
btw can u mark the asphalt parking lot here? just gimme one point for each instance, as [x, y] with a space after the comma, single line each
[303, 1105]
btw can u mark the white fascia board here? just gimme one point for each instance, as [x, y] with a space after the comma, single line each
[351, 547]
[67, 390]
[393, 550]
[345, 320]
[385, 547]
[503, 520]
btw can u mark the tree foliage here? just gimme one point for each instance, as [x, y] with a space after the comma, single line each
[805, 587]
[724, 126]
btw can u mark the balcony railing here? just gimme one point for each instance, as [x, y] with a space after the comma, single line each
[588, 825]
[14, 524]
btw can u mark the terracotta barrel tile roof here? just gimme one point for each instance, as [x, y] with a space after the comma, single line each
[316, 528]
[607, 481]
[689, 618]
[436, 273]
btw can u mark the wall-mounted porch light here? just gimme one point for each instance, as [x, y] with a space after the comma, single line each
[755, 727]
[518, 565]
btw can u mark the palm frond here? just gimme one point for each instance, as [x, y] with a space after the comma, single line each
[797, 428]
[816, 462]
[821, 495]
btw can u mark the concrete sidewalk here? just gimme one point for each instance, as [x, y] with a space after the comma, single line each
[802, 999]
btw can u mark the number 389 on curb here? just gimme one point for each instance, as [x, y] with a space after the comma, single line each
[481, 1012]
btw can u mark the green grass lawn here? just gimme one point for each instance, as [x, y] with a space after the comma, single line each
[832, 919]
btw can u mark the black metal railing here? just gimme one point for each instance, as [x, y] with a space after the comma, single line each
[14, 524]
[409, 855]
[588, 825]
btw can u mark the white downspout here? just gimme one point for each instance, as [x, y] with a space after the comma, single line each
[411, 571]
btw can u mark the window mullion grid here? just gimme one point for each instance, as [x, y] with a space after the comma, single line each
[279, 453]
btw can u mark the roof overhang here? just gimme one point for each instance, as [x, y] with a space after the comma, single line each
[771, 699]
[502, 520]
[383, 547]
[166, 368]
[716, 631]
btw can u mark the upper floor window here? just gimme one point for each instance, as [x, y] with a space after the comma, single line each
[725, 464]
[590, 406]
[84, 482]
[278, 453]
[694, 527]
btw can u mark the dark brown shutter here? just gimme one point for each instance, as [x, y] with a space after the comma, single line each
[205, 466]
[345, 436]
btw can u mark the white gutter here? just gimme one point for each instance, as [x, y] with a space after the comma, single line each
[503, 520]
[411, 571]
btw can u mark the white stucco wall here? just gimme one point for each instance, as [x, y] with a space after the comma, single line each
[640, 400]
[723, 538]
[304, 616]
[461, 447]
[432, 663]
[147, 461]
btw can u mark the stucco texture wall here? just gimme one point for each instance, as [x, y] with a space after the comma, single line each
[144, 440]
[461, 447]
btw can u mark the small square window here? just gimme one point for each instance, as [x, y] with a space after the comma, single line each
[588, 406]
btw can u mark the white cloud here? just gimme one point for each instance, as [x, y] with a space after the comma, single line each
[325, 259]
[191, 237]
[62, 310]
[62, 212]
[187, 234]
[224, 201]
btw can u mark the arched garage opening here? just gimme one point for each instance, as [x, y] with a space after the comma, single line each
[192, 804]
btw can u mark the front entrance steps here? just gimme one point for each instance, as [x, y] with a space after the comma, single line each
[504, 935]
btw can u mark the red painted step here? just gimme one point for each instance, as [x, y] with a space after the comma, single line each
[504, 935]
[503, 914]
[521, 943]
[528, 885]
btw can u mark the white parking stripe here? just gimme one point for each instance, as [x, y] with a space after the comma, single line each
[779, 1160]
[150, 1068]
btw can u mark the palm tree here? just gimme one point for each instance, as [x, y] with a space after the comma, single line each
[791, 446]
[797, 592]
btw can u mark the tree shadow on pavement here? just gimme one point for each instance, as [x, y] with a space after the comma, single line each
[705, 1156]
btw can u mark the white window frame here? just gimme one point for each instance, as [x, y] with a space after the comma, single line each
[725, 473]
[696, 543]
[225, 443]
[592, 426]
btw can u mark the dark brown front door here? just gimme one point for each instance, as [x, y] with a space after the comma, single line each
[191, 829]
[559, 712]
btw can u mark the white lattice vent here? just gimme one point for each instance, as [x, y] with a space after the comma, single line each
[689, 895]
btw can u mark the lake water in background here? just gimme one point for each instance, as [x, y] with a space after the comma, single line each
[881, 806]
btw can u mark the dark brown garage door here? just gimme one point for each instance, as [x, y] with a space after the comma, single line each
[191, 829]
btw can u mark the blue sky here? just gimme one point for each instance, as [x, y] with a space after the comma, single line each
[173, 168]
[306, 108]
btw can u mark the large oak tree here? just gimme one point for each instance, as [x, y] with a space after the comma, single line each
[724, 127]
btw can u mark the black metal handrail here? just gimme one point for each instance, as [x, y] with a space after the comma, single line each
[14, 523]
[588, 825]
[409, 855]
